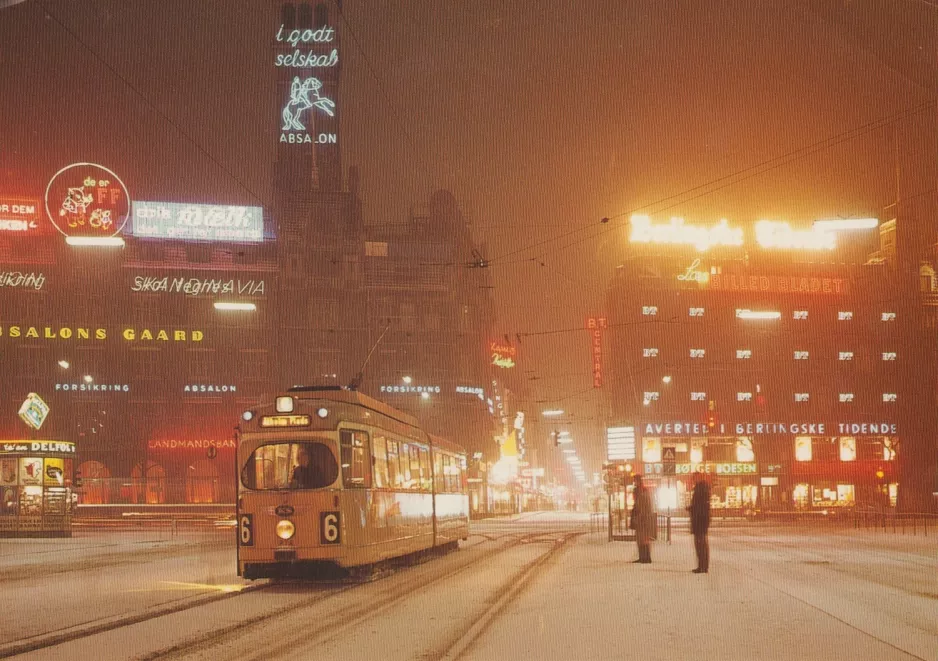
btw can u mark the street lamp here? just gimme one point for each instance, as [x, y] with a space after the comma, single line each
[230, 305]
[64, 364]
[666, 378]
[407, 379]
[88, 378]
[552, 412]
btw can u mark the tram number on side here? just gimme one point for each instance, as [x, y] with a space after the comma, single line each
[329, 528]
[246, 529]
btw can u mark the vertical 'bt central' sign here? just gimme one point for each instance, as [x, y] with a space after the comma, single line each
[307, 97]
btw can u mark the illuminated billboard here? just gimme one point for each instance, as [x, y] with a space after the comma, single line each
[308, 105]
[87, 203]
[19, 216]
[197, 222]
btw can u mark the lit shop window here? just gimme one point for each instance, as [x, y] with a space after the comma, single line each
[650, 353]
[893, 494]
[801, 355]
[889, 449]
[889, 355]
[744, 451]
[802, 396]
[744, 354]
[698, 353]
[846, 494]
[846, 355]
[696, 312]
[888, 316]
[698, 396]
[844, 316]
[800, 496]
[651, 450]
[800, 314]
[651, 396]
[802, 448]
[889, 396]
[649, 310]
[744, 397]
[696, 451]
[846, 397]
[848, 448]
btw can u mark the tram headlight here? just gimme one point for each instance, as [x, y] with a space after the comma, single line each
[285, 529]
[284, 404]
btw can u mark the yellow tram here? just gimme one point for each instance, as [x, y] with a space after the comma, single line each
[330, 477]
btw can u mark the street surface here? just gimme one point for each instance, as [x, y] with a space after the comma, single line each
[536, 586]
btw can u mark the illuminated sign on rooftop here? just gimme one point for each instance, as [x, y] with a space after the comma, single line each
[197, 222]
[769, 234]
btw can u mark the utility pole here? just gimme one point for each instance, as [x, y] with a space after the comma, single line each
[916, 143]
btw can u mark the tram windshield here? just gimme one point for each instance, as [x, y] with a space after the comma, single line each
[300, 465]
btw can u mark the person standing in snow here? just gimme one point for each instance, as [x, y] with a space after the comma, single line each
[700, 522]
[643, 520]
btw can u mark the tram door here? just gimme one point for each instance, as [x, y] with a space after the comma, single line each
[617, 477]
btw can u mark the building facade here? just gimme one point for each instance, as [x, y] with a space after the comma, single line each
[774, 370]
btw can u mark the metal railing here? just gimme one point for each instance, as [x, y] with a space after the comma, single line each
[903, 523]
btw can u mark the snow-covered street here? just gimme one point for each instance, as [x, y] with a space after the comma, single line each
[537, 586]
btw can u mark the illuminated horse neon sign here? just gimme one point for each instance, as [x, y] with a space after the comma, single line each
[300, 102]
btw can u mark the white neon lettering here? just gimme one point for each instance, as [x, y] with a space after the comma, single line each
[676, 232]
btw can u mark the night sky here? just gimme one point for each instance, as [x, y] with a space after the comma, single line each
[541, 116]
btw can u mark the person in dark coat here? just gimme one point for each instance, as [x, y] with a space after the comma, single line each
[700, 522]
[643, 520]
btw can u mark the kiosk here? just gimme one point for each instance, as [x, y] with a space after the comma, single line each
[36, 479]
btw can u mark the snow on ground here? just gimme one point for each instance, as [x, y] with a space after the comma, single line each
[772, 593]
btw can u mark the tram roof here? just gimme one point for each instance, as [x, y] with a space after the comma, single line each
[346, 396]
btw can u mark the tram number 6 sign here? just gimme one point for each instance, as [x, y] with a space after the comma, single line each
[329, 523]
[246, 529]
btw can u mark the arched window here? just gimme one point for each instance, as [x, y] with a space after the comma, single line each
[322, 15]
[95, 483]
[202, 482]
[288, 16]
[149, 484]
[305, 17]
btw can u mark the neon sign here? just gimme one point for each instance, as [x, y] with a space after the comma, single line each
[174, 444]
[692, 275]
[676, 232]
[92, 387]
[197, 222]
[779, 284]
[503, 354]
[209, 388]
[407, 389]
[85, 200]
[769, 234]
[18, 215]
[198, 286]
[595, 326]
[98, 334]
[773, 234]
[310, 59]
[17, 279]
[307, 92]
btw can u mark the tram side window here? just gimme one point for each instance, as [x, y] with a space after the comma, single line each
[437, 471]
[356, 458]
[405, 466]
[447, 478]
[415, 475]
[381, 462]
[425, 480]
[394, 474]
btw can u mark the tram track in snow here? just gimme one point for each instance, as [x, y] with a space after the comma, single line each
[338, 623]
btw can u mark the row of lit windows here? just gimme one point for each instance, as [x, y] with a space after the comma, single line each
[652, 449]
[696, 396]
[801, 315]
[746, 354]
